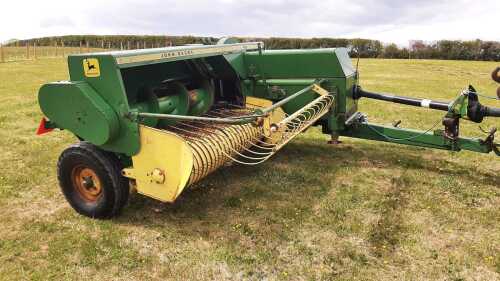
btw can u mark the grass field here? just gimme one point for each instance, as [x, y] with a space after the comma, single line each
[11, 54]
[358, 211]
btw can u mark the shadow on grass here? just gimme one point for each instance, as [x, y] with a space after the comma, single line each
[390, 229]
[270, 196]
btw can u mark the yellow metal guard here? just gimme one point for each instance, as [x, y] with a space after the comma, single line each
[163, 165]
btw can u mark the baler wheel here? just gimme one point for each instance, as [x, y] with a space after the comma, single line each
[91, 181]
[86, 182]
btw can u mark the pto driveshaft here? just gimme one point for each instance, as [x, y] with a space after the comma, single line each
[475, 111]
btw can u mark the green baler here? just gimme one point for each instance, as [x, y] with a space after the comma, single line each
[158, 120]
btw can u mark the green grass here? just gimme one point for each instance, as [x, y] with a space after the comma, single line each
[22, 53]
[358, 211]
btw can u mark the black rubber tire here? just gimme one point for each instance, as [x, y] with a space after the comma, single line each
[114, 187]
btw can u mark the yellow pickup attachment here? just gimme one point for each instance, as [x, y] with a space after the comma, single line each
[163, 165]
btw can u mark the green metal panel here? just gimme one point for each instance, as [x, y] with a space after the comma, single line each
[277, 89]
[237, 63]
[283, 64]
[110, 87]
[275, 74]
[77, 107]
[413, 137]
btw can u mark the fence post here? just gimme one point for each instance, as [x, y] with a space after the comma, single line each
[62, 48]
[80, 49]
[34, 50]
[27, 50]
[137, 45]
[2, 57]
[121, 46]
[55, 48]
[144, 44]
[88, 47]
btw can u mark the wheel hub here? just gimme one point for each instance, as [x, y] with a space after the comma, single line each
[86, 183]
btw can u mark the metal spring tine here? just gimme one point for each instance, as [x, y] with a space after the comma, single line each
[263, 159]
[237, 152]
[301, 119]
[230, 148]
[307, 122]
[216, 142]
[253, 138]
[245, 156]
[206, 160]
[213, 161]
[203, 169]
[214, 148]
[317, 108]
[272, 145]
[248, 134]
[252, 158]
[254, 152]
[307, 116]
[305, 119]
[220, 145]
[294, 126]
[310, 121]
[204, 140]
[238, 161]
[251, 163]
[247, 163]
[258, 139]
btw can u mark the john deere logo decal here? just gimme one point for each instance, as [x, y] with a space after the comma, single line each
[91, 68]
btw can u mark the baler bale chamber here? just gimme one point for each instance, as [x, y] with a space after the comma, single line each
[159, 120]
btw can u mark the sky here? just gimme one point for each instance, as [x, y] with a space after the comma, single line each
[390, 21]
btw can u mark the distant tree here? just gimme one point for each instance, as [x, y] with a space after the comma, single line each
[366, 48]
[391, 51]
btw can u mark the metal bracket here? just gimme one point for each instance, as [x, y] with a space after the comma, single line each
[319, 90]
[358, 118]
[489, 140]
[451, 127]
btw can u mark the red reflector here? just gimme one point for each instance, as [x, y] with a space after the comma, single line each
[42, 129]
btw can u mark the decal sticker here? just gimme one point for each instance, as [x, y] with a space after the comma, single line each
[91, 67]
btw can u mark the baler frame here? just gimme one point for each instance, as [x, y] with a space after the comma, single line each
[161, 119]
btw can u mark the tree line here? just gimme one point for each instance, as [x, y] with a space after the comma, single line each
[365, 48]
